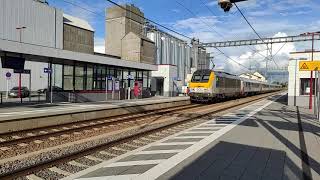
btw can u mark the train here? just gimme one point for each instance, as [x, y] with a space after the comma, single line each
[207, 85]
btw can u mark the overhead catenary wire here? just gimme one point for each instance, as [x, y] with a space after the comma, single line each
[193, 14]
[93, 12]
[254, 31]
[149, 20]
[85, 9]
[214, 14]
[228, 57]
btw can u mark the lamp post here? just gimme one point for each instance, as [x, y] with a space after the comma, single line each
[20, 29]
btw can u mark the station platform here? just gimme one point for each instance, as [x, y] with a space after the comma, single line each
[43, 115]
[265, 140]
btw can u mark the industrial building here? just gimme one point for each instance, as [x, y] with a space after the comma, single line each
[176, 60]
[299, 81]
[129, 37]
[45, 37]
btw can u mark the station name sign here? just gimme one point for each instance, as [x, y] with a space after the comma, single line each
[22, 71]
[309, 65]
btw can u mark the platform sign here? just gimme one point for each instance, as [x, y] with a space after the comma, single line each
[109, 77]
[22, 71]
[116, 85]
[129, 76]
[309, 65]
[8, 75]
[47, 70]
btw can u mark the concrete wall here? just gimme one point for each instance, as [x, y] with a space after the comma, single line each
[147, 52]
[118, 25]
[44, 24]
[131, 47]
[138, 49]
[77, 39]
[169, 73]
[115, 32]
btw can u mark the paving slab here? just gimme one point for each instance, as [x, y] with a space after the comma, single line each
[269, 140]
[278, 143]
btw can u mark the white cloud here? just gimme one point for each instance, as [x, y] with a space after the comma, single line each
[256, 60]
[99, 45]
[176, 10]
[212, 3]
[203, 23]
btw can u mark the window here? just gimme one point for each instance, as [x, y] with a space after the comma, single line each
[79, 78]
[305, 86]
[89, 77]
[200, 78]
[119, 77]
[99, 78]
[145, 79]
[125, 78]
[196, 78]
[68, 77]
[205, 77]
[57, 75]
[133, 78]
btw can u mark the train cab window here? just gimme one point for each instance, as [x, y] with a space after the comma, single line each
[205, 77]
[196, 78]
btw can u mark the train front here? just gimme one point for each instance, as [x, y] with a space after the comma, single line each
[201, 86]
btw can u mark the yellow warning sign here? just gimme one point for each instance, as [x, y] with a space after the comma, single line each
[309, 65]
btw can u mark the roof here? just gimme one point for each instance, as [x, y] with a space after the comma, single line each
[74, 21]
[69, 56]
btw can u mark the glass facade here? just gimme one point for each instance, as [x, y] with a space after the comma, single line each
[91, 77]
[67, 77]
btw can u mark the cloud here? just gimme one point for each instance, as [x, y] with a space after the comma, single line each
[212, 3]
[255, 60]
[203, 23]
[99, 45]
[176, 10]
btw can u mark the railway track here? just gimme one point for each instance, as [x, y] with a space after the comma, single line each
[114, 148]
[21, 140]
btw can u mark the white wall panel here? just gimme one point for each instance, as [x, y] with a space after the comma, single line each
[44, 24]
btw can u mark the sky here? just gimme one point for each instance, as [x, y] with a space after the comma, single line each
[205, 20]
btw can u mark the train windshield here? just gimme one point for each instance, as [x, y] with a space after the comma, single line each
[200, 77]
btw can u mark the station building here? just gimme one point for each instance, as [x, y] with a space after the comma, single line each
[45, 37]
[299, 81]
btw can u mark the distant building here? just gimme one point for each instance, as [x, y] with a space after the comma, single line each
[125, 35]
[176, 57]
[299, 81]
[78, 35]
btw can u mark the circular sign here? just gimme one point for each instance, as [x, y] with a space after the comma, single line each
[8, 74]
